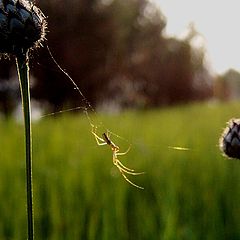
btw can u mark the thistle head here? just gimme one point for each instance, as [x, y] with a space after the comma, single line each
[230, 140]
[22, 26]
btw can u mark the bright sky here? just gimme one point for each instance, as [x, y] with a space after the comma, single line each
[217, 20]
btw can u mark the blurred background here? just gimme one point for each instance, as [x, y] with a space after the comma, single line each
[168, 70]
[122, 55]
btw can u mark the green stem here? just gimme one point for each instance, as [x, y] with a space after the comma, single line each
[23, 74]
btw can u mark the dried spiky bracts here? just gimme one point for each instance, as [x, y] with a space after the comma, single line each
[230, 140]
[22, 26]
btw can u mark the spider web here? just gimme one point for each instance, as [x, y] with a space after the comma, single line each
[89, 108]
[86, 108]
[93, 118]
[105, 141]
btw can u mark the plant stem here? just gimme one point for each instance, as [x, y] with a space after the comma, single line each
[23, 74]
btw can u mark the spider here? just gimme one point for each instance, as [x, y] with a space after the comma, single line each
[105, 140]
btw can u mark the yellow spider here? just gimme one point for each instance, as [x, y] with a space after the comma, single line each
[105, 140]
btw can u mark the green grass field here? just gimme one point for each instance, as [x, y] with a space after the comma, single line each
[79, 194]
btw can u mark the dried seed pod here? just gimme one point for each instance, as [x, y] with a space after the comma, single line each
[22, 26]
[230, 140]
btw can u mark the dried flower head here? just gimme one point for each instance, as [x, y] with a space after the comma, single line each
[230, 140]
[22, 26]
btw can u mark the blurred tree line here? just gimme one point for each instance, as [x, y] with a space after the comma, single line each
[117, 53]
[227, 86]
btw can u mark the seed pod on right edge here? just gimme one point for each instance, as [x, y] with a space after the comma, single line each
[229, 142]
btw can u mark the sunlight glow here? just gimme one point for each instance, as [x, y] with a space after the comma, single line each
[216, 20]
[179, 148]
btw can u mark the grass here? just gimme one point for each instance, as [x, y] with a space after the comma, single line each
[78, 194]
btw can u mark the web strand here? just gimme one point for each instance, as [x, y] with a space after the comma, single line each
[63, 111]
[70, 78]
[87, 106]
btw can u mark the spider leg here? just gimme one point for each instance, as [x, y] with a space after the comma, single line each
[109, 134]
[125, 169]
[99, 140]
[117, 162]
[130, 182]
[123, 153]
